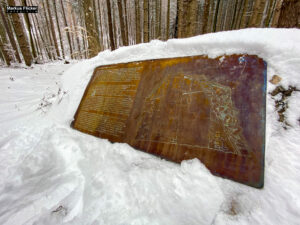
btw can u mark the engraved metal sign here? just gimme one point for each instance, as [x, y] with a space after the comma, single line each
[184, 108]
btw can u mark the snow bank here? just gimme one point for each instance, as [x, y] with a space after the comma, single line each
[51, 174]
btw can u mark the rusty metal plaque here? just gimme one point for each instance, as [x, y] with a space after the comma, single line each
[184, 108]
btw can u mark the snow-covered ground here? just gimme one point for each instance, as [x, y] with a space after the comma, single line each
[52, 174]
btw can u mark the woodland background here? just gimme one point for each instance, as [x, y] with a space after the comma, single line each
[78, 29]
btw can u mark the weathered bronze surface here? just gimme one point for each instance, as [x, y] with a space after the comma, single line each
[184, 108]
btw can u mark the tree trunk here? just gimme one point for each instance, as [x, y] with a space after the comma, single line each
[246, 13]
[52, 29]
[158, 19]
[110, 26]
[146, 21]
[137, 22]
[66, 26]
[205, 16]
[58, 28]
[126, 21]
[168, 21]
[290, 14]
[76, 33]
[276, 13]
[187, 17]
[258, 10]
[48, 35]
[28, 25]
[21, 36]
[96, 22]
[4, 45]
[36, 24]
[122, 24]
[10, 34]
[4, 53]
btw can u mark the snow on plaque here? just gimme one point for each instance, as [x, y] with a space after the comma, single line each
[184, 108]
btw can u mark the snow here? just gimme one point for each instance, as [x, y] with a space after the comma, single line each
[52, 174]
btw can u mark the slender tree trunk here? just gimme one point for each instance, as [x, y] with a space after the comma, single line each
[52, 29]
[168, 21]
[137, 22]
[205, 16]
[28, 25]
[3, 45]
[77, 35]
[96, 22]
[101, 27]
[110, 26]
[4, 53]
[146, 21]
[126, 21]
[66, 26]
[238, 14]
[58, 28]
[44, 42]
[257, 15]
[10, 34]
[49, 36]
[158, 19]
[21, 36]
[122, 23]
[246, 13]
[216, 16]
[276, 13]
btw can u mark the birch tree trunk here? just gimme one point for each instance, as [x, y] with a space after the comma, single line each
[21, 36]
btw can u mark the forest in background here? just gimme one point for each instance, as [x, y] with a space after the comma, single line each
[79, 29]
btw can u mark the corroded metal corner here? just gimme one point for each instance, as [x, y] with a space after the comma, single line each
[184, 108]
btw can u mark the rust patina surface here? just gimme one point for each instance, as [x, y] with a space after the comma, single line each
[184, 108]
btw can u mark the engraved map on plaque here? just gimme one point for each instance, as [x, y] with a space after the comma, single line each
[184, 108]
